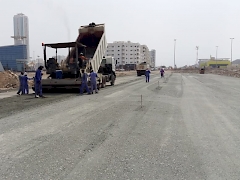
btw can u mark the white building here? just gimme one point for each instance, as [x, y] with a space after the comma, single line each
[145, 54]
[21, 31]
[128, 52]
[153, 57]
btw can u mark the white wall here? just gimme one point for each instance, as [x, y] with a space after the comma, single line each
[128, 52]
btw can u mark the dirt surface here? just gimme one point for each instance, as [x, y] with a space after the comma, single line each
[8, 80]
[223, 72]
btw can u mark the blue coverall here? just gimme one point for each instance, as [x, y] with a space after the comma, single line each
[147, 74]
[84, 84]
[162, 73]
[93, 77]
[38, 83]
[21, 84]
[25, 84]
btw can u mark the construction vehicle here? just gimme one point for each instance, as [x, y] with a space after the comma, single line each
[107, 70]
[86, 53]
[141, 68]
[202, 71]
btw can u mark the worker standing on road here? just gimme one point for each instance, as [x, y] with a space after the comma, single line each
[84, 84]
[147, 74]
[162, 72]
[21, 88]
[25, 83]
[93, 79]
[38, 83]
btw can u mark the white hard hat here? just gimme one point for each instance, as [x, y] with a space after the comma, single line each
[25, 74]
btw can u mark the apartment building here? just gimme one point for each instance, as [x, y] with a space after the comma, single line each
[128, 53]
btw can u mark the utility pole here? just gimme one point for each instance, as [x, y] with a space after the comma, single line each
[231, 48]
[197, 47]
[216, 55]
[38, 60]
[174, 52]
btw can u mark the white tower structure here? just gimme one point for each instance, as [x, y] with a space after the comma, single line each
[21, 31]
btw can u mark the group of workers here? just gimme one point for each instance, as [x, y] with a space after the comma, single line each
[23, 80]
[93, 80]
[148, 72]
[24, 89]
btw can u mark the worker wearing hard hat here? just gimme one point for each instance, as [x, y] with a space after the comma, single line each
[84, 84]
[93, 78]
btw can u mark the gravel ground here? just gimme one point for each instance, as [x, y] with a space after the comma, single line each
[187, 128]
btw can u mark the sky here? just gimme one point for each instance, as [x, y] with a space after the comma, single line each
[155, 23]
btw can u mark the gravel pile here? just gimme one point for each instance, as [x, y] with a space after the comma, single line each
[8, 79]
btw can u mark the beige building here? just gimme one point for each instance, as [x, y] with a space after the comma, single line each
[128, 52]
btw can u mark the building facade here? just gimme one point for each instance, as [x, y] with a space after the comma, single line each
[128, 54]
[13, 57]
[214, 63]
[153, 57]
[21, 31]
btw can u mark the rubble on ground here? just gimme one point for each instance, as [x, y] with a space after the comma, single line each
[223, 72]
[8, 80]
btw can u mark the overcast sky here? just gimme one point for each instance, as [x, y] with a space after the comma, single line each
[156, 23]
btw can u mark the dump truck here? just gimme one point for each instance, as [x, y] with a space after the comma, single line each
[141, 68]
[91, 45]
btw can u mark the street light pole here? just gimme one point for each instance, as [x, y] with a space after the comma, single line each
[231, 48]
[197, 47]
[174, 52]
[216, 55]
[38, 60]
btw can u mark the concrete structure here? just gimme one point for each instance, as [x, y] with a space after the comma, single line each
[128, 53]
[13, 57]
[153, 57]
[21, 31]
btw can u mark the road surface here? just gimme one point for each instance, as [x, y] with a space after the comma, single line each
[187, 128]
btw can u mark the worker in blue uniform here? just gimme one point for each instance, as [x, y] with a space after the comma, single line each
[21, 88]
[93, 78]
[25, 83]
[84, 84]
[147, 74]
[38, 83]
